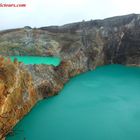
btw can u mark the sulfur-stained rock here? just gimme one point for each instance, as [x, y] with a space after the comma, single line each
[82, 46]
[17, 95]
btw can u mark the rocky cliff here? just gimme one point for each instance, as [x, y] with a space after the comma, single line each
[81, 46]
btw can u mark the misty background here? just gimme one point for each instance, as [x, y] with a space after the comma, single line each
[40, 13]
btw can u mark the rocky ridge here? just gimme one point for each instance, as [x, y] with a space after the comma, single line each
[81, 46]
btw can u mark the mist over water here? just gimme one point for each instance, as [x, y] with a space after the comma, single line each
[103, 104]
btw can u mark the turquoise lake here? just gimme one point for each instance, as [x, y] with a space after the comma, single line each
[103, 104]
[37, 60]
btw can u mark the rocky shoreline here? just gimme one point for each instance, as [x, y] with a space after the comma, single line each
[81, 46]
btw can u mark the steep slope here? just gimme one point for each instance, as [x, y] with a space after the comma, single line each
[82, 46]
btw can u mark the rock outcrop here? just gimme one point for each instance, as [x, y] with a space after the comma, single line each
[81, 46]
[17, 94]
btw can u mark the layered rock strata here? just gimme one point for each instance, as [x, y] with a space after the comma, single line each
[81, 46]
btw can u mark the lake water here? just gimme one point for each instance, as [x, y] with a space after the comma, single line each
[37, 60]
[98, 105]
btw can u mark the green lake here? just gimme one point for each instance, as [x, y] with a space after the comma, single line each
[103, 104]
[37, 60]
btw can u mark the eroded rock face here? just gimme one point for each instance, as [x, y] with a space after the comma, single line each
[17, 94]
[82, 46]
[21, 86]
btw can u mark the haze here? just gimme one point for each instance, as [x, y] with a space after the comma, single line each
[58, 12]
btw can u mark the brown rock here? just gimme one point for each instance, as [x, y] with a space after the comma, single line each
[81, 46]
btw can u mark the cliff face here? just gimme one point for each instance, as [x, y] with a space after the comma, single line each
[17, 94]
[115, 40]
[82, 46]
[21, 86]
